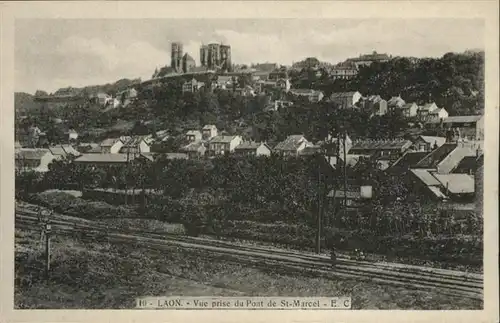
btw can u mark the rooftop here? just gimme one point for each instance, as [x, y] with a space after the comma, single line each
[31, 153]
[104, 158]
[343, 94]
[249, 145]
[222, 139]
[432, 140]
[456, 183]
[426, 177]
[380, 144]
[291, 143]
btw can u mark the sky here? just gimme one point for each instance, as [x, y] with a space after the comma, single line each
[55, 53]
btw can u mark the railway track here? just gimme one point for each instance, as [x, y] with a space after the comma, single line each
[447, 282]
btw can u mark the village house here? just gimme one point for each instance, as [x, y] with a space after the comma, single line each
[292, 145]
[446, 158]
[442, 187]
[252, 149]
[137, 144]
[409, 110]
[33, 159]
[396, 102]
[209, 131]
[64, 151]
[111, 146]
[223, 82]
[346, 100]
[108, 159]
[193, 135]
[72, 135]
[470, 127]
[368, 59]
[101, 98]
[194, 150]
[424, 111]
[343, 71]
[89, 147]
[354, 197]
[437, 115]
[427, 143]
[312, 95]
[247, 90]
[223, 144]
[381, 149]
[375, 105]
[192, 86]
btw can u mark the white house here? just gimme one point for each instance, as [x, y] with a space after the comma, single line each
[438, 114]
[252, 149]
[209, 131]
[137, 144]
[34, 159]
[111, 146]
[292, 145]
[409, 110]
[222, 145]
[193, 135]
[346, 100]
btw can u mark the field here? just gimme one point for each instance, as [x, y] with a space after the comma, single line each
[101, 275]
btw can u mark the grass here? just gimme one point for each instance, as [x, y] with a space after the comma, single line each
[97, 275]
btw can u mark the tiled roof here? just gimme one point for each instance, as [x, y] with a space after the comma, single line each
[408, 160]
[290, 143]
[408, 105]
[431, 140]
[222, 139]
[192, 147]
[425, 176]
[342, 95]
[380, 144]
[451, 161]
[248, 145]
[456, 183]
[396, 100]
[468, 163]
[104, 158]
[427, 107]
[134, 141]
[436, 156]
[436, 191]
[311, 150]
[63, 150]
[31, 153]
[462, 119]
[108, 142]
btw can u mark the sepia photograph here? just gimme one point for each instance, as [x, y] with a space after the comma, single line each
[216, 163]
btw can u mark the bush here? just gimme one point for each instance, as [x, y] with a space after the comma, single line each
[68, 204]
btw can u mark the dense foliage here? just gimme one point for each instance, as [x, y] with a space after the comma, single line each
[454, 81]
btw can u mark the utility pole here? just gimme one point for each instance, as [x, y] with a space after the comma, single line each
[318, 232]
[126, 174]
[345, 168]
[48, 232]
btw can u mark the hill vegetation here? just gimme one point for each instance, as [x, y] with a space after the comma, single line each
[454, 81]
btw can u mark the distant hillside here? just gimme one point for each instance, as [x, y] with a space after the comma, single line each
[109, 88]
[23, 102]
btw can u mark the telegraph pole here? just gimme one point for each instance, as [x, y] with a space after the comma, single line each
[318, 232]
[345, 169]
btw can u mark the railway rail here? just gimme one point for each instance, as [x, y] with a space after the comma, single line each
[448, 282]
